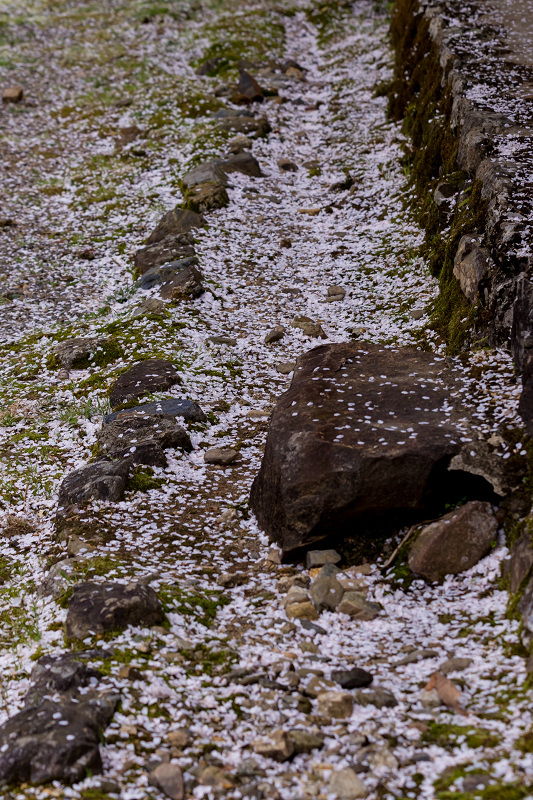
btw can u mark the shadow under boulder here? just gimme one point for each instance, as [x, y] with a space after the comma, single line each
[367, 438]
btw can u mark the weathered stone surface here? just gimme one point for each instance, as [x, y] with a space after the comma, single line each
[353, 678]
[318, 558]
[95, 608]
[70, 352]
[12, 94]
[152, 375]
[218, 169]
[177, 222]
[346, 785]
[454, 543]
[386, 451]
[301, 610]
[305, 742]
[471, 264]
[258, 127]
[279, 746]
[519, 563]
[208, 196]
[171, 248]
[221, 455]
[275, 334]
[63, 675]
[335, 704]
[177, 279]
[142, 439]
[168, 778]
[326, 593]
[54, 741]
[101, 481]
[380, 698]
[249, 88]
[171, 409]
[358, 607]
[522, 345]
[58, 579]
[149, 306]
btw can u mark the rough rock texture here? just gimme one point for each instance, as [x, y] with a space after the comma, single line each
[471, 126]
[72, 351]
[208, 196]
[105, 480]
[152, 375]
[100, 607]
[454, 543]
[519, 563]
[63, 675]
[171, 248]
[142, 439]
[387, 452]
[217, 170]
[177, 279]
[54, 740]
[171, 409]
[177, 222]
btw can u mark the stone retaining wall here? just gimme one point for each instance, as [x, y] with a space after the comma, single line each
[464, 87]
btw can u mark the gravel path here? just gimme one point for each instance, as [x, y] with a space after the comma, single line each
[114, 116]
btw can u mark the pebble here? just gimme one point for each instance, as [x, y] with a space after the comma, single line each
[358, 607]
[455, 665]
[286, 165]
[335, 704]
[275, 334]
[286, 367]
[429, 698]
[223, 456]
[335, 293]
[345, 784]
[380, 698]
[12, 94]
[222, 340]
[168, 779]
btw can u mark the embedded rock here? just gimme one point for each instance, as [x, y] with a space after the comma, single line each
[177, 222]
[168, 778]
[105, 480]
[345, 784]
[319, 558]
[206, 196]
[279, 746]
[519, 563]
[72, 351]
[95, 608]
[175, 279]
[152, 375]
[63, 674]
[54, 741]
[258, 127]
[352, 678]
[58, 579]
[171, 248]
[358, 607]
[335, 704]
[454, 543]
[363, 434]
[326, 593]
[305, 742]
[472, 262]
[249, 88]
[218, 169]
[142, 439]
[221, 455]
[171, 409]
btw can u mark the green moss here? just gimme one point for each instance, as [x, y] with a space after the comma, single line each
[142, 480]
[445, 735]
[203, 607]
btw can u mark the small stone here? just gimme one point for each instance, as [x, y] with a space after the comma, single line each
[294, 72]
[305, 610]
[285, 243]
[318, 558]
[352, 678]
[336, 292]
[305, 742]
[380, 698]
[326, 593]
[12, 94]
[151, 375]
[222, 340]
[77, 546]
[314, 331]
[296, 594]
[301, 322]
[231, 579]
[346, 785]
[279, 746]
[249, 88]
[239, 144]
[286, 165]
[221, 456]
[358, 607]
[310, 212]
[257, 413]
[286, 367]
[430, 698]
[318, 685]
[417, 313]
[286, 582]
[130, 673]
[275, 334]
[168, 779]
[455, 665]
[215, 777]
[149, 306]
[274, 555]
[335, 704]
[416, 656]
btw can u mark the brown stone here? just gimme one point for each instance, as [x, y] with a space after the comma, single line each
[454, 543]
[175, 222]
[249, 88]
[152, 375]
[12, 94]
[471, 264]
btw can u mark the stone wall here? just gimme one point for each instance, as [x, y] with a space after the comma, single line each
[464, 88]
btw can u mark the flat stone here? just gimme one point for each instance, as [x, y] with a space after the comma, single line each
[12, 94]
[171, 409]
[380, 698]
[286, 165]
[95, 608]
[318, 685]
[303, 610]
[222, 340]
[275, 334]
[457, 664]
[152, 375]
[345, 784]
[286, 367]
[455, 543]
[279, 746]
[142, 439]
[54, 741]
[335, 704]
[179, 739]
[239, 144]
[177, 222]
[218, 169]
[257, 127]
[305, 742]
[221, 455]
[168, 778]
[416, 656]
[353, 678]
[171, 248]
[318, 558]
[64, 674]
[150, 305]
[101, 481]
[207, 196]
[358, 607]
[317, 479]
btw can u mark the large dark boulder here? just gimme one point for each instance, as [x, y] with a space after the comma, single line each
[152, 375]
[363, 433]
[95, 608]
[54, 740]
